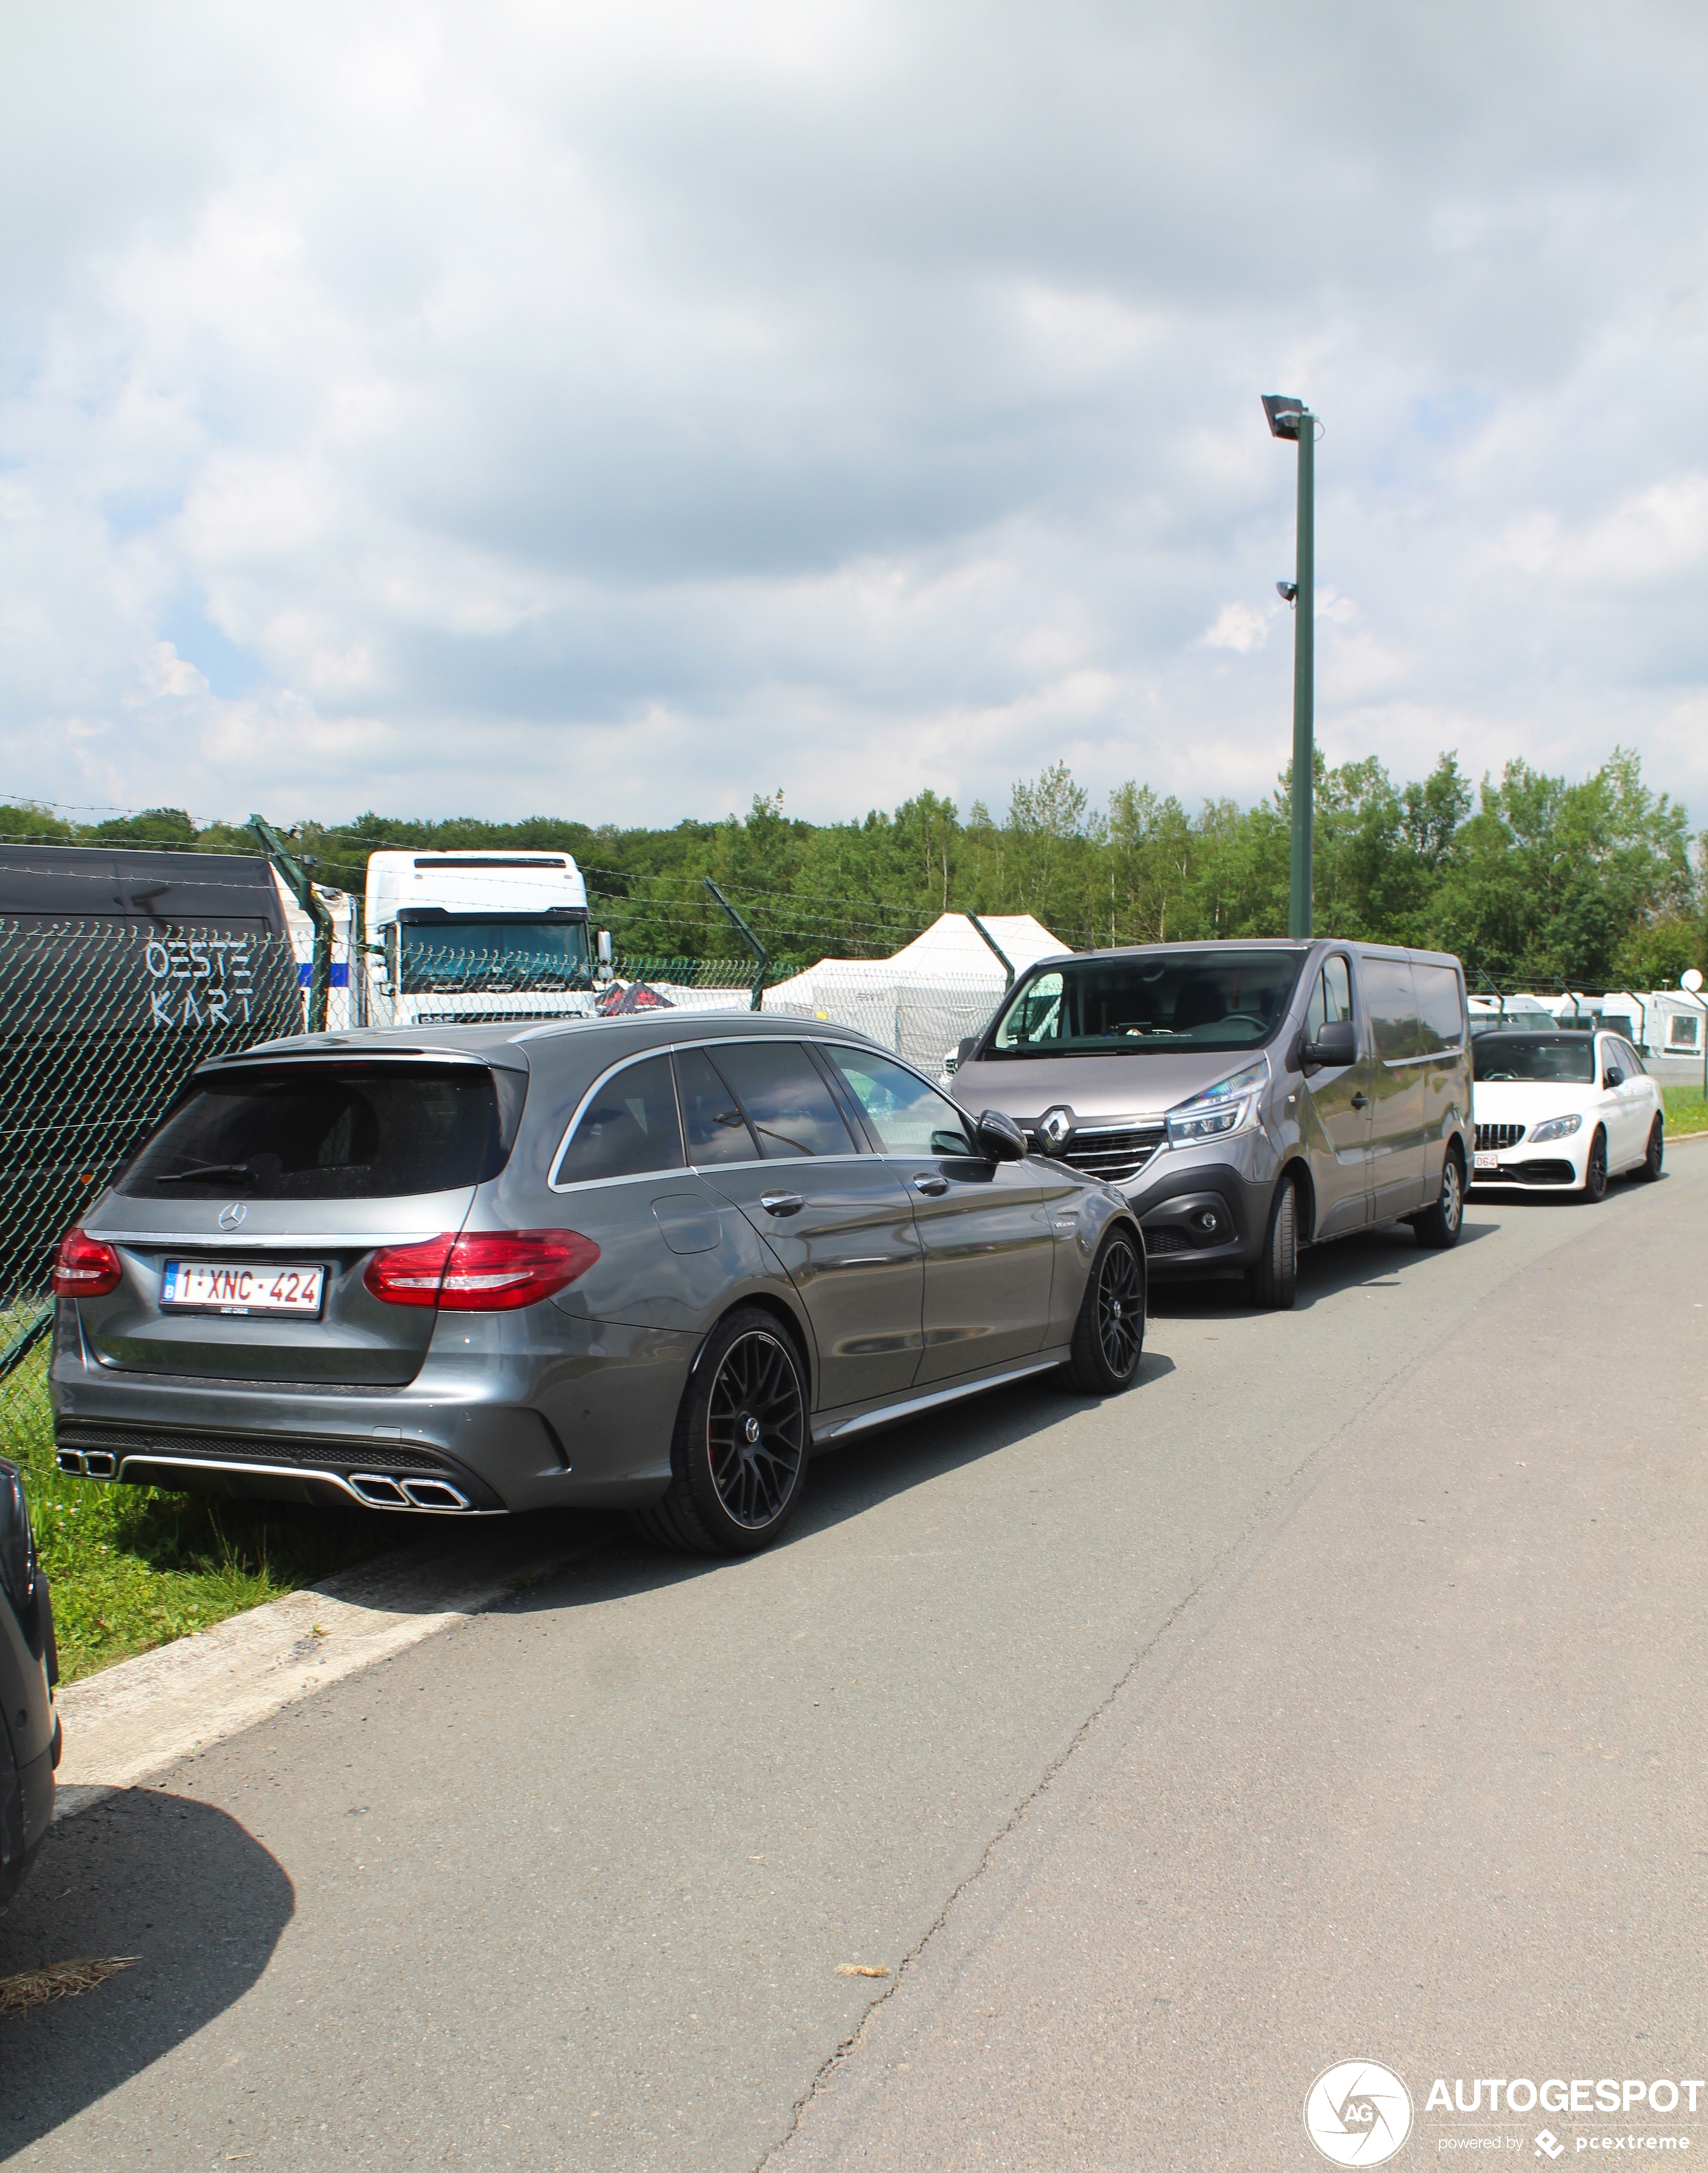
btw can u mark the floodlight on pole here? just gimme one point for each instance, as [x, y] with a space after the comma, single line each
[1289, 418]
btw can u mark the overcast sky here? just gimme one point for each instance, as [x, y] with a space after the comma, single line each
[617, 410]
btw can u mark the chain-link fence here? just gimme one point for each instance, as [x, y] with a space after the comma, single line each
[100, 1023]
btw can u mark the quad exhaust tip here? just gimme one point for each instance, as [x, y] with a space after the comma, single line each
[434, 1494]
[93, 1463]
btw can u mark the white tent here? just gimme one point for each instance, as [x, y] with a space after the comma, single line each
[942, 985]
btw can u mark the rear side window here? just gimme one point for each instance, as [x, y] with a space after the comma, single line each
[321, 1131]
[712, 1119]
[787, 1101]
[907, 1116]
[1391, 1003]
[1441, 1014]
[627, 1129]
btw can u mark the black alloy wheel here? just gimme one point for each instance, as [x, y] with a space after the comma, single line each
[1595, 1169]
[756, 1429]
[738, 1457]
[1109, 1335]
[1439, 1226]
[1649, 1169]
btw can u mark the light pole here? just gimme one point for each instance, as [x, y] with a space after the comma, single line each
[1690, 981]
[1289, 418]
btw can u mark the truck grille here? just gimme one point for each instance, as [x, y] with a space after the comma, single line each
[1111, 1151]
[1492, 1136]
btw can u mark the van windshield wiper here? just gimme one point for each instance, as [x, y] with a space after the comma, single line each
[206, 1169]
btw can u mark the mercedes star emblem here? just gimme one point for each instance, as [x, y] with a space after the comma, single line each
[230, 1216]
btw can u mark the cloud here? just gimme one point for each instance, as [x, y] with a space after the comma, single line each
[619, 411]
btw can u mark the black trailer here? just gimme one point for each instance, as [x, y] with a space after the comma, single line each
[120, 972]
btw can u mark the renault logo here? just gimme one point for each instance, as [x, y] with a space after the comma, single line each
[1057, 1124]
[230, 1216]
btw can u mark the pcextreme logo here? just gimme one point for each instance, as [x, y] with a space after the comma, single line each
[1358, 2112]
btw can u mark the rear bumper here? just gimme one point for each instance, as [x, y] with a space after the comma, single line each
[516, 1415]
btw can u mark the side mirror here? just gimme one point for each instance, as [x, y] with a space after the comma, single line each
[963, 1050]
[1336, 1042]
[998, 1138]
[1612, 1078]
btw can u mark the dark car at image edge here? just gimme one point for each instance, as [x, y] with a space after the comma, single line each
[30, 1734]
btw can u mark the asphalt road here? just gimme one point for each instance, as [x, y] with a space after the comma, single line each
[1337, 1687]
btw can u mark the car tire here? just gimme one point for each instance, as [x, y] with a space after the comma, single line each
[1109, 1334]
[1649, 1168]
[1274, 1282]
[1439, 1226]
[738, 1455]
[1595, 1169]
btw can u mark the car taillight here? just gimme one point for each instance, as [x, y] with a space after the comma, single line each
[85, 1267]
[488, 1271]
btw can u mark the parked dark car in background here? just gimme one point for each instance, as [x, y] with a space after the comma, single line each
[646, 1263]
[28, 1726]
[1246, 1098]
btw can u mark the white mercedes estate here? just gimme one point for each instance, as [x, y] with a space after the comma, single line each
[1565, 1109]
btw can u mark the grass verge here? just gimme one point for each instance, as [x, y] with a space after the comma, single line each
[133, 1566]
[1687, 1111]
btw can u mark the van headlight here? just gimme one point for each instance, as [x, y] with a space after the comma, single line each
[1556, 1128]
[1230, 1106]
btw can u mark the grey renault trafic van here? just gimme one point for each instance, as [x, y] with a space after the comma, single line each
[1247, 1098]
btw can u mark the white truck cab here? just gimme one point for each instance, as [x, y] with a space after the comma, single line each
[466, 936]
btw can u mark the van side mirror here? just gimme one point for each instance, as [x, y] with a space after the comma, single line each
[964, 1049]
[1336, 1042]
[998, 1138]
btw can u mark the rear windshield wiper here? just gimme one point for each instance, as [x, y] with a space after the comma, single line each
[206, 1169]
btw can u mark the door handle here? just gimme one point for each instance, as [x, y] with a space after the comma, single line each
[934, 1187]
[781, 1203]
[1358, 1102]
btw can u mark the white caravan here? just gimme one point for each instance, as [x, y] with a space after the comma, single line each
[466, 936]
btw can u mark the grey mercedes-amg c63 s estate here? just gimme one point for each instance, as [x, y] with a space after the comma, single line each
[647, 1264]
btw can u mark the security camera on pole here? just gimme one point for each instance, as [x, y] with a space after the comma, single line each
[1291, 418]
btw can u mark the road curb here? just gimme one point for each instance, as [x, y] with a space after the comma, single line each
[134, 1721]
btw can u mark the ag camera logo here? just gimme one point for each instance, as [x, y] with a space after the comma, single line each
[1358, 2112]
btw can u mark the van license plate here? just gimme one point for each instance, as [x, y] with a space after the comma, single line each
[242, 1286]
[1485, 1160]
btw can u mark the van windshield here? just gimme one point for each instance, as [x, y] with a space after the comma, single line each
[1208, 1000]
[1535, 1060]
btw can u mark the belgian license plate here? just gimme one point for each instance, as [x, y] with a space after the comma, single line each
[1485, 1160]
[242, 1286]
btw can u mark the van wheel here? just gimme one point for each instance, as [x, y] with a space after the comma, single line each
[1109, 1335]
[1649, 1168]
[1595, 1169]
[738, 1457]
[1439, 1226]
[1274, 1281]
